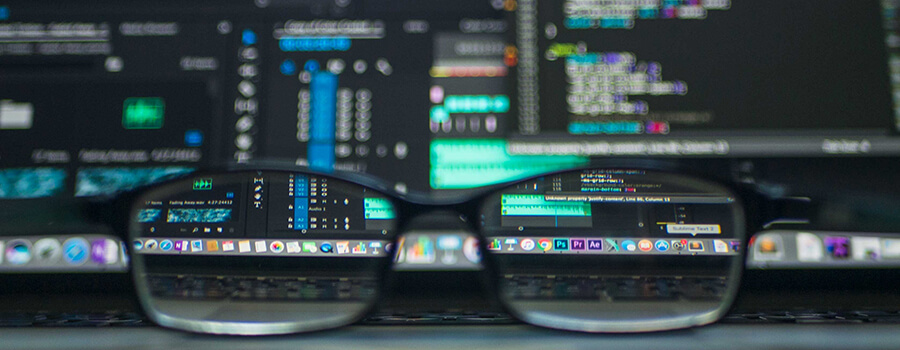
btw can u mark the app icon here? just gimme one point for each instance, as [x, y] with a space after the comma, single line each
[151, 244]
[227, 246]
[560, 244]
[310, 247]
[448, 258]
[112, 251]
[719, 246]
[678, 245]
[838, 247]
[527, 244]
[767, 247]
[890, 248]
[866, 248]
[76, 251]
[449, 242]
[661, 245]
[612, 245]
[18, 252]
[125, 259]
[293, 247]
[545, 244]
[494, 244]
[695, 246]
[104, 251]
[645, 245]
[809, 247]
[375, 245]
[578, 244]
[179, 246]
[510, 243]
[471, 250]
[137, 245]
[359, 248]
[629, 245]
[735, 246]
[421, 252]
[212, 246]
[260, 246]
[276, 246]
[244, 246]
[326, 247]
[343, 247]
[595, 244]
[197, 246]
[165, 245]
[400, 255]
[47, 250]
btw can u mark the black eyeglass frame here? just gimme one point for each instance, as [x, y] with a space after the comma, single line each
[757, 211]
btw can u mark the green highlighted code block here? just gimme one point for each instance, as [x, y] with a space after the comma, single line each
[143, 113]
[468, 163]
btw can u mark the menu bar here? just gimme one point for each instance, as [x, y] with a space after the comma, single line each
[69, 253]
[820, 249]
[262, 247]
[613, 246]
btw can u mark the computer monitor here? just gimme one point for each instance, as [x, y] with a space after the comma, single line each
[433, 96]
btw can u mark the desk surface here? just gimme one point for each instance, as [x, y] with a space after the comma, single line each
[519, 337]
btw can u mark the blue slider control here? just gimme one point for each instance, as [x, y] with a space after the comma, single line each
[322, 114]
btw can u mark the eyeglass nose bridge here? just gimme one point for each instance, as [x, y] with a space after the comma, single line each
[441, 238]
[436, 218]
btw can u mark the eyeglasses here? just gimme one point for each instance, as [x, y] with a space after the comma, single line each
[592, 250]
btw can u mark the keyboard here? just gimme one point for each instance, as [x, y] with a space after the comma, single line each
[613, 289]
[260, 288]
